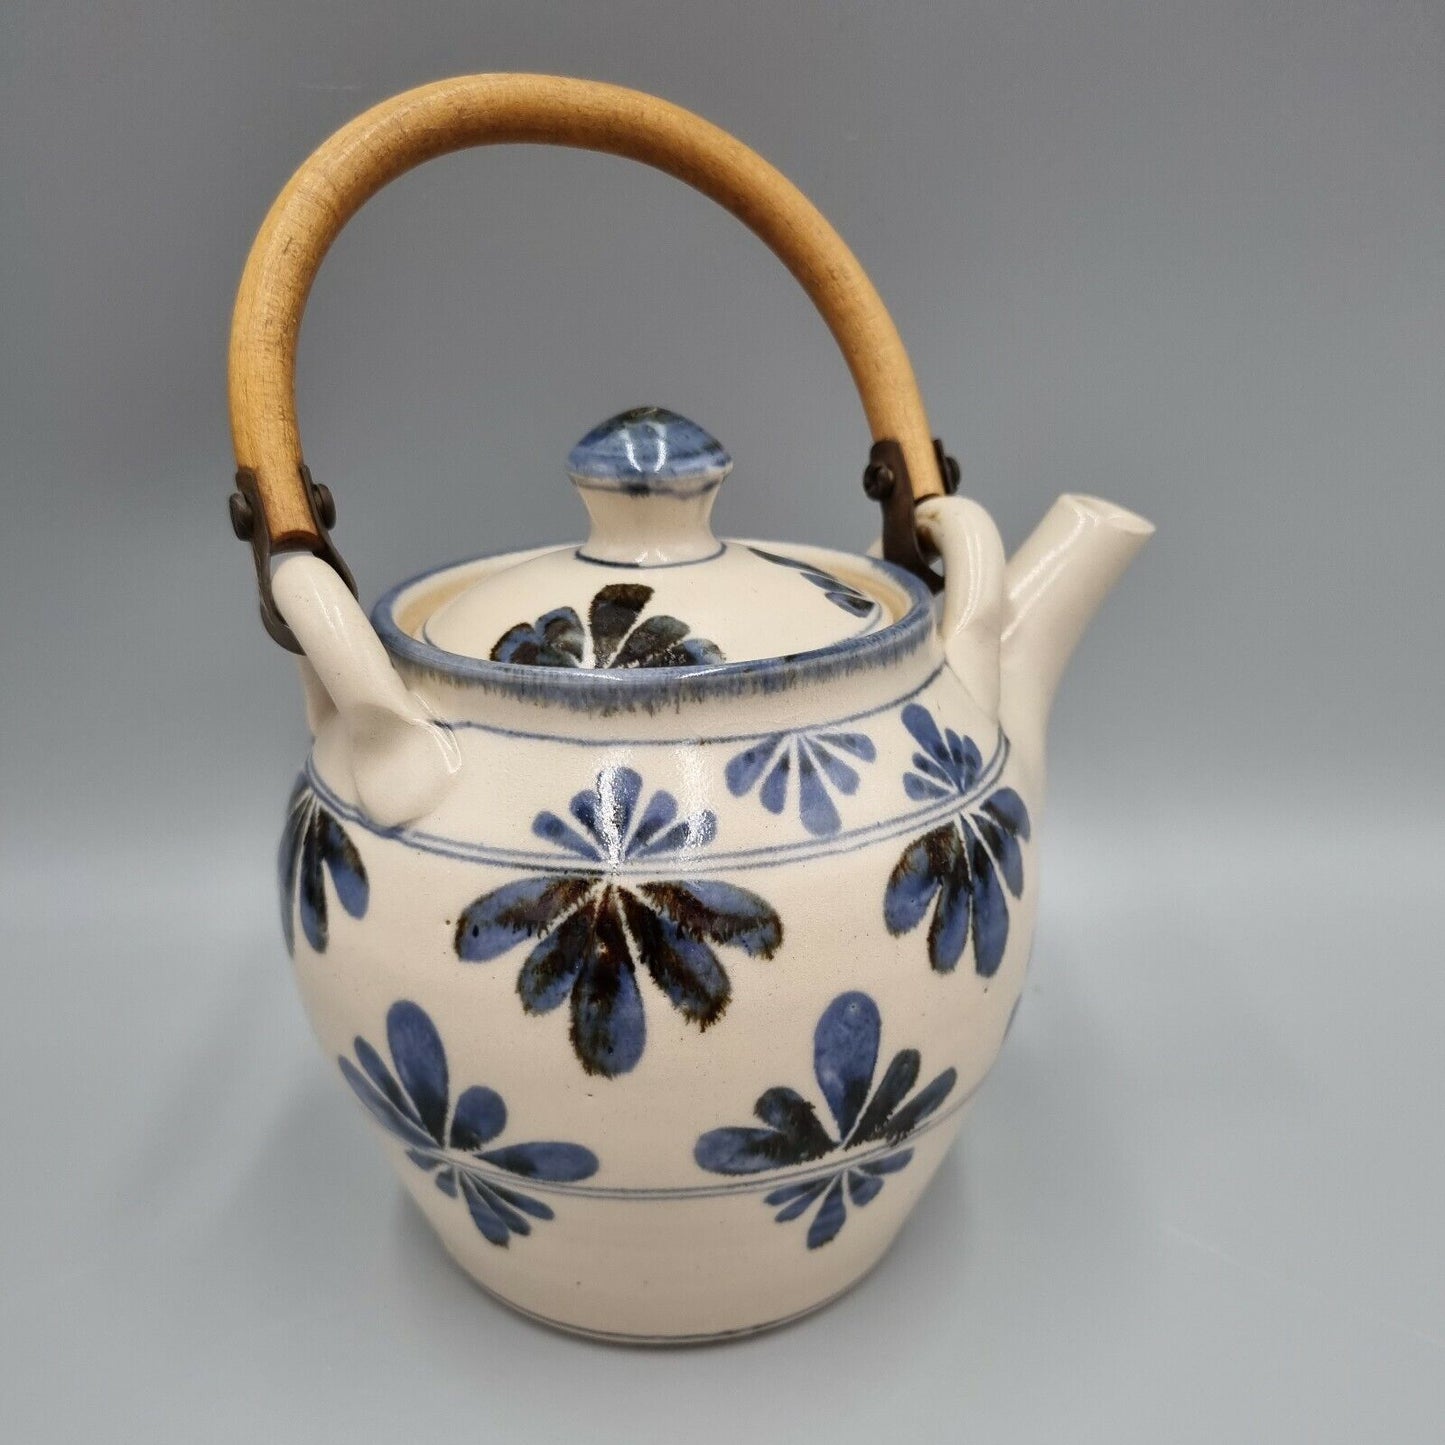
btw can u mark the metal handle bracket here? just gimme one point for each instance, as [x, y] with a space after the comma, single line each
[886, 481]
[248, 509]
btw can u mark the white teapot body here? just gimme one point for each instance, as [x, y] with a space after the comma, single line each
[812, 887]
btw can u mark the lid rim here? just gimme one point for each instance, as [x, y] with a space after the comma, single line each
[610, 689]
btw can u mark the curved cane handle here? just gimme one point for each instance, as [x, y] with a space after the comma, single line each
[418, 125]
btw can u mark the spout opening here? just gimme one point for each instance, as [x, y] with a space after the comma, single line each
[1110, 514]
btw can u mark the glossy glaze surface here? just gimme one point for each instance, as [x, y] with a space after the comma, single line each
[651, 586]
[672, 958]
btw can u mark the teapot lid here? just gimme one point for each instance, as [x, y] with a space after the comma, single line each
[652, 586]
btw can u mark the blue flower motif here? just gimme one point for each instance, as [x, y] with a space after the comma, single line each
[593, 931]
[838, 592]
[955, 868]
[312, 840]
[558, 638]
[450, 1141]
[815, 758]
[845, 1056]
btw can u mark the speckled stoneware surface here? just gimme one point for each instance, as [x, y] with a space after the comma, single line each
[665, 900]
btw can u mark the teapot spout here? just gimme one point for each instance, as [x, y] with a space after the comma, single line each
[1054, 585]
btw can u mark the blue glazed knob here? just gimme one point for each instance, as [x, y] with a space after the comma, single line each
[649, 451]
[649, 478]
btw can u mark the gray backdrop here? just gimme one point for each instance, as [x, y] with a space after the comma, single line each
[1187, 255]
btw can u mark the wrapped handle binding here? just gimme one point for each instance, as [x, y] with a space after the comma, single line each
[277, 507]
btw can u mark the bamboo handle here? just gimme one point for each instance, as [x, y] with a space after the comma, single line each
[391, 138]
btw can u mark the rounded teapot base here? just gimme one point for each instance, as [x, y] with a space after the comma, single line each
[707, 1337]
[699, 1268]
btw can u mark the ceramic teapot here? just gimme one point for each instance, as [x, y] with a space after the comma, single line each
[663, 899]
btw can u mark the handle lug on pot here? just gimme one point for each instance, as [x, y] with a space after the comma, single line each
[248, 512]
[402, 761]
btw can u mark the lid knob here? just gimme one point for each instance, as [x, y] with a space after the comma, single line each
[649, 478]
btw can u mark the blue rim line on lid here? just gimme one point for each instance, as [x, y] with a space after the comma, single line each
[651, 689]
[582, 556]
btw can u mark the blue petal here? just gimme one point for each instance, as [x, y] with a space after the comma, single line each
[797, 1199]
[719, 911]
[385, 1085]
[348, 872]
[700, 652]
[660, 811]
[312, 891]
[794, 1117]
[551, 829]
[820, 816]
[921, 790]
[499, 920]
[919, 721]
[889, 1164]
[990, 912]
[966, 758]
[618, 790]
[380, 1075]
[447, 1183]
[849, 600]
[555, 640]
[524, 1202]
[583, 808]
[420, 1062]
[799, 1189]
[898, 1079]
[562, 628]
[552, 967]
[694, 832]
[744, 770]
[423, 1161]
[684, 967]
[1008, 808]
[830, 1217]
[774, 794]
[778, 560]
[654, 643]
[545, 1159]
[915, 879]
[608, 1026]
[499, 1206]
[523, 638]
[1005, 849]
[840, 774]
[863, 1188]
[479, 1117]
[383, 1110]
[845, 1053]
[859, 744]
[288, 858]
[487, 1220]
[747, 1150]
[932, 768]
[612, 615]
[924, 1103]
[948, 934]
